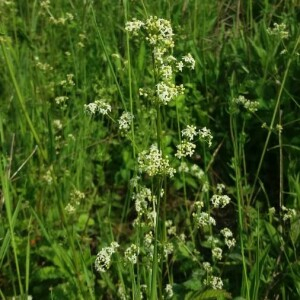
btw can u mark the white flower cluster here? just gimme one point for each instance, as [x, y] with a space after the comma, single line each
[152, 163]
[148, 240]
[186, 147]
[67, 19]
[189, 60]
[205, 135]
[169, 291]
[68, 82]
[48, 176]
[134, 26]
[131, 253]
[61, 100]
[183, 167]
[220, 188]
[103, 258]
[229, 240]
[279, 30]
[159, 34]
[215, 282]
[217, 253]
[75, 197]
[288, 213]
[125, 121]
[251, 106]
[142, 198]
[197, 171]
[167, 91]
[171, 229]
[57, 124]
[203, 219]
[45, 4]
[145, 202]
[207, 267]
[99, 106]
[219, 201]
[189, 132]
[168, 249]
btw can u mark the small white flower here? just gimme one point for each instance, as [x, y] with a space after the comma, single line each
[216, 283]
[207, 267]
[103, 258]
[189, 60]
[203, 219]
[167, 92]
[226, 232]
[169, 290]
[180, 66]
[168, 249]
[217, 253]
[251, 106]
[229, 240]
[189, 132]
[205, 134]
[158, 53]
[70, 209]
[172, 230]
[182, 237]
[279, 30]
[289, 213]
[57, 124]
[131, 253]
[166, 72]
[153, 163]
[184, 149]
[100, 106]
[197, 171]
[272, 211]
[220, 188]
[183, 167]
[134, 26]
[219, 200]
[148, 239]
[61, 100]
[125, 121]
[205, 186]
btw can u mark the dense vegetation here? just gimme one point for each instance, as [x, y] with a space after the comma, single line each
[149, 149]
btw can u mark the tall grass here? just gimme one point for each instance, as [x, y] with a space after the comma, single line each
[71, 224]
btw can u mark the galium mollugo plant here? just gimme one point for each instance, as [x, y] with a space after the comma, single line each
[156, 239]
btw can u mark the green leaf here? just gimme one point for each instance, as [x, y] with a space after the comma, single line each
[210, 295]
[48, 273]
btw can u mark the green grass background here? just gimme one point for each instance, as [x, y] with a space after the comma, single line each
[49, 254]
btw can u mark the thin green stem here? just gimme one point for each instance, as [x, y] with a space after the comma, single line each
[278, 100]
[108, 59]
[234, 138]
[153, 295]
[280, 160]
[21, 99]
[9, 208]
[129, 77]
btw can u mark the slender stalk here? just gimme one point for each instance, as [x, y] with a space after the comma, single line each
[9, 209]
[280, 160]
[234, 138]
[21, 99]
[129, 77]
[153, 294]
[278, 100]
[108, 59]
